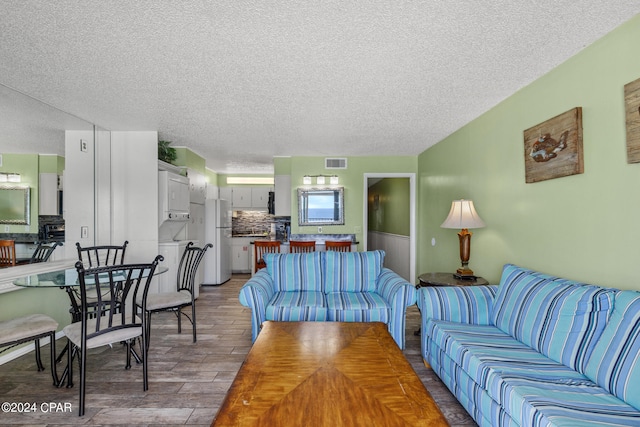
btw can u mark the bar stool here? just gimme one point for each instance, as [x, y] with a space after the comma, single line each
[338, 246]
[7, 253]
[261, 247]
[299, 246]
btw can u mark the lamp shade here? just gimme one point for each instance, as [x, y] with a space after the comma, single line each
[463, 215]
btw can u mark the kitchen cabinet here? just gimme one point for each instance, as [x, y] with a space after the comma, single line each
[260, 197]
[225, 193]
[48, 195]
[241, 254]
[197, 187]
[283, 195]
[241, 197]
[249, 197]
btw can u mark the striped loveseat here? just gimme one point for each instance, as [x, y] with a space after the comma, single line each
[536, 350]
[328, 286]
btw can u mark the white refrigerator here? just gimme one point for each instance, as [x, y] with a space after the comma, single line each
[217, 230]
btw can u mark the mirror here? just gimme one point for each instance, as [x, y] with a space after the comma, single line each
[321, 206]
[32, 141]
[15, 204]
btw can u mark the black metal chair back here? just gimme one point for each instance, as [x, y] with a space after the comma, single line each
[188, 267]
[113, 318]
[184, 295]
[97, 256]
[43, 252]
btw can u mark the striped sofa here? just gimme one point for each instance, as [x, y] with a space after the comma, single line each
[536, 350]
[328, 286]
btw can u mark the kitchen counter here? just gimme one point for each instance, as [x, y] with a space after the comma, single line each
[20, 237]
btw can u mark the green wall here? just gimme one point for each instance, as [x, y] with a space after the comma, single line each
[352, 179]
[583, 227]
[388, 206]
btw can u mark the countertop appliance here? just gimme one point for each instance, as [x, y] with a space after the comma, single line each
[217, 230]
[173, 205]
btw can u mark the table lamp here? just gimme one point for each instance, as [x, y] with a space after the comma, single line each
[463, 215]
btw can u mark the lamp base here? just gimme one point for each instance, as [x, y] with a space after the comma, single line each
[464, 274]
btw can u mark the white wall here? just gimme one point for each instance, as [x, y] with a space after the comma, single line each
[134, 193]
[78, 204]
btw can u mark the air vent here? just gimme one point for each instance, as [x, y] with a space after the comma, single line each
[335, 163]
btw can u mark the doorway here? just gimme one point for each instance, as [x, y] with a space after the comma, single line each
[400, 248]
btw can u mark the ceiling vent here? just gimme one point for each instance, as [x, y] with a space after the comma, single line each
[335, 163]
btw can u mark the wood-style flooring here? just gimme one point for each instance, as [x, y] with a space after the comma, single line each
[187, 382]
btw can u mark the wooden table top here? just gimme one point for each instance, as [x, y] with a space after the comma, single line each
[327, 374]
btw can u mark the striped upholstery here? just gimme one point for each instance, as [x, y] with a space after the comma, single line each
[560, 318]
[614, 364]
[358, 307]
[257, 295]
[292, 306]
[501, 381]
[539, 353]
[333, 286]
[353, 271]
[466, 304]
[400, 294]
[295, 272]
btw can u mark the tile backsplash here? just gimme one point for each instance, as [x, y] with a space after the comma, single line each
[251, 222]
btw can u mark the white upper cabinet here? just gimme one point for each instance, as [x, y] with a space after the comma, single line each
[197, 187]
[260, 197]
[48, 194]
[241, 197]
[283, 195]
[249, 197]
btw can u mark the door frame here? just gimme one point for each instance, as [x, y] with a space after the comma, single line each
[412, 214]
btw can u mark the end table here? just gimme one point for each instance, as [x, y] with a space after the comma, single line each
[447, 279]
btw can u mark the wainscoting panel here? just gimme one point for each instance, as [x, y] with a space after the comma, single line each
[397, 251]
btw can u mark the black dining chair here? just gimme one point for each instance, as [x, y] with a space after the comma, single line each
[114, 318]
[96, 256]
[183, 296]
[91, 257]
[43, 252]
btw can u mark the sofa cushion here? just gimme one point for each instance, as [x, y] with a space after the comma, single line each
[294, 306]
[295, 272]
[533, 389]
[357, 307]
[614, 363]
[352, 271]
[560, 318]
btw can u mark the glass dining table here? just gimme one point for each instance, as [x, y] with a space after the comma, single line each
[67, 279]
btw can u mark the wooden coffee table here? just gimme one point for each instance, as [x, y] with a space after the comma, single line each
[327, 374]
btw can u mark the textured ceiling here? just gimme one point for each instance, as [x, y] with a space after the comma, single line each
[240, 82]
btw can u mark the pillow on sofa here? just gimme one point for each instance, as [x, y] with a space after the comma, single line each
[614, 363]
[295, 272]
[352, 271]
[560, 318]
